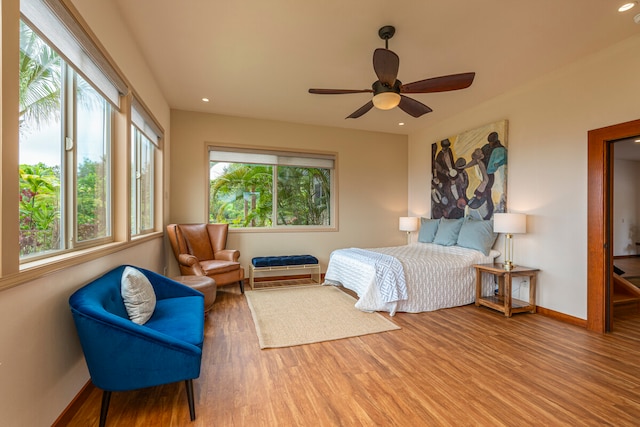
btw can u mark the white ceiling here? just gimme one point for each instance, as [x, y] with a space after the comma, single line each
[257, 58]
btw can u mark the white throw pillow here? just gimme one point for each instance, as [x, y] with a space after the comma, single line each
[138, 295]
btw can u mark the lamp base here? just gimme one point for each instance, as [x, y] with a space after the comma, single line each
[508, 265]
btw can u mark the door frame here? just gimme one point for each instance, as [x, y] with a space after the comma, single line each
[599, 227]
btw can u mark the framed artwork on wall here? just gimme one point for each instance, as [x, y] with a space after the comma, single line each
[469, 173]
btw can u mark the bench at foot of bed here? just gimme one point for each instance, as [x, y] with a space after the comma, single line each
[307, 263]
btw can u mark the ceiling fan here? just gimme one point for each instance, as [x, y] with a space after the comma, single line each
[388, 90]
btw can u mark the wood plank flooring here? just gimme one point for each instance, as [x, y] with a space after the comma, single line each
[461, 366]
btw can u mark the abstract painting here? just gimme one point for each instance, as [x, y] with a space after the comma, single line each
[469, 173]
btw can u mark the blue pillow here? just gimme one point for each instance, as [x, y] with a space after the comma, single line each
[478, 235]
[448, 229]
[428, 228]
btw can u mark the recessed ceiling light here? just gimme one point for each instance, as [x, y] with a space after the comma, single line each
[627, 6]
[401, 124]
[205, 99]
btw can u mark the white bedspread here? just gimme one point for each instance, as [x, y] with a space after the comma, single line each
[436, 277]
[389, 272]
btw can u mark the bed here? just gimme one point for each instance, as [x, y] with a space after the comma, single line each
[413, 278]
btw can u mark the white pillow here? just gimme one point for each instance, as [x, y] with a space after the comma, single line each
[138, 295]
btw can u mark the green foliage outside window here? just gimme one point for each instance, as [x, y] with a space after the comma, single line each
[39, 208]
[91, 210]
[40, 186]
[242, 195]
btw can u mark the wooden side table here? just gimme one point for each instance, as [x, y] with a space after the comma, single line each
[503, 301]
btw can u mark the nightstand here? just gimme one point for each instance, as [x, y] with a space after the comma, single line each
[503, 301]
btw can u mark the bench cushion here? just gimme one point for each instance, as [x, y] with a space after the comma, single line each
[277, 261]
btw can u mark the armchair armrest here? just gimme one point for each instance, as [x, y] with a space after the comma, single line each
[187, 260]
[191, 262]
[228, 255]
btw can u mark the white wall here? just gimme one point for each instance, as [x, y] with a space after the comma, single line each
[41, 364]
[372, 182]
[626, 199]
[547, 153]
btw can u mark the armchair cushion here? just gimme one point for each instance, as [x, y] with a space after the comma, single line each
[215, 266]
[175, 318]
[138, 295]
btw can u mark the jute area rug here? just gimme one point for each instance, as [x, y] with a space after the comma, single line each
[291, 316]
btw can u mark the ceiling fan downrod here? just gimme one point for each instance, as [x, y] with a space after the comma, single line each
[386, 33]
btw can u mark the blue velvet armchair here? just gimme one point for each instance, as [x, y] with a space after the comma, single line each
[122, 355]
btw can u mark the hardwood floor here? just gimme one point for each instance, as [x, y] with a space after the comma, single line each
[461, 366]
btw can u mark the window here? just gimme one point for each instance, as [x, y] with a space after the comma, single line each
[64, 153]
[270, 189]
[144, 137]
[68, 97]
[73, 137]
[93, 165]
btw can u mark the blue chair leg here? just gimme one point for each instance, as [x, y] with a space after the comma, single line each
[106, 398]
[192, 406]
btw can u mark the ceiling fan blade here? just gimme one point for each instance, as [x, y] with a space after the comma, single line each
[360, 111]
[439, 84]
[338, 91]
[386, 64]
[413, 107]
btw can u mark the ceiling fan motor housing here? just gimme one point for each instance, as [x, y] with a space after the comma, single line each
[381, 87]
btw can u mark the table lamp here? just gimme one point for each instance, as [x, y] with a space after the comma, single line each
[509, 223]
[409, 224]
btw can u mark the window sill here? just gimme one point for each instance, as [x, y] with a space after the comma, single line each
[283, 229]
[32, 270]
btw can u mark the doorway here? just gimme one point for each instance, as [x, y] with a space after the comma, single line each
[599, 222]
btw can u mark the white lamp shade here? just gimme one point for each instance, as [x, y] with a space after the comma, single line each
[386, 100]
[510, 223]
[409, 223]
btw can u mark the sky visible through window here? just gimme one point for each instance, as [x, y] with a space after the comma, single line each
[43, 145]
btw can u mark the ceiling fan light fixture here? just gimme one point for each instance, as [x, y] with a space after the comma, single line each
[386, 100]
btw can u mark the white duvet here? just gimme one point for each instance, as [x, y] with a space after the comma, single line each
[436, 277]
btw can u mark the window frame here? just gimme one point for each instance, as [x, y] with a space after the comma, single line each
[145, 123]
[68, 146]
[73, 192]
[13, 271]
[292, 153]
[137, 139]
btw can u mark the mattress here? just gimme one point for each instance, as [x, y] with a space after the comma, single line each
[436, 276]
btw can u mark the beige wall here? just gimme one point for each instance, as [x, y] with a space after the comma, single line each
[372, 181]
[41, 364]
[548, 124]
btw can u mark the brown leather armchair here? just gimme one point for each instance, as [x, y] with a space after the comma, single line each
[201, 251]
